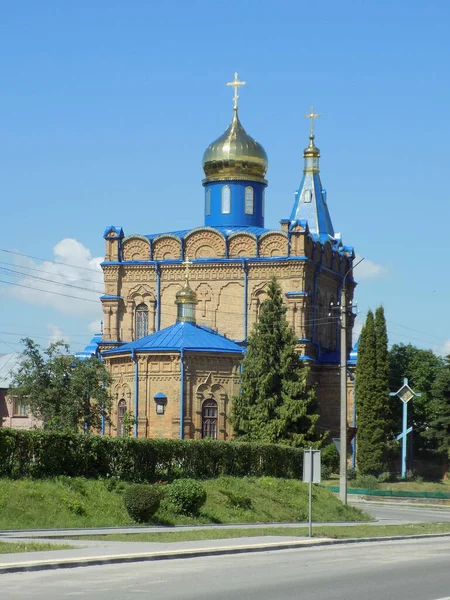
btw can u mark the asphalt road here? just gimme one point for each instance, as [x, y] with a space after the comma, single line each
[403, 570]
[400, 513]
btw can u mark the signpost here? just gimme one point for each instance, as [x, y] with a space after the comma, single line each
[405, 394]
[311, 474]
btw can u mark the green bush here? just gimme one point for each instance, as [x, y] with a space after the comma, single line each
[368, 482]
[386, 477]
[352, 473]
[330, 458]
[74, 506]
[186, 496]
[42, 454]
[325, 472]
[141, 501]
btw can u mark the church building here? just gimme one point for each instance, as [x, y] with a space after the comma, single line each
[173, 341]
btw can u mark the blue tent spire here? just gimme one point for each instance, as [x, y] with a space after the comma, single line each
[311, 199]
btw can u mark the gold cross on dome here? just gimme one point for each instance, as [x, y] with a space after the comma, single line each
[186, 263]
[236, 84]
[311, 116]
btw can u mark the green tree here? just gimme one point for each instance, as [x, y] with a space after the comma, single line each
[439, 426]
[65, 392]
[275, 403]
[421, 367]
[372, 395]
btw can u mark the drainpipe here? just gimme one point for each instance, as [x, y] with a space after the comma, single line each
[245, 270]
[182, 394]
[136, 391]
[158, 296]
[352, 377]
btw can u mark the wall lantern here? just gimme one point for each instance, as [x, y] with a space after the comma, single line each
[160, 401]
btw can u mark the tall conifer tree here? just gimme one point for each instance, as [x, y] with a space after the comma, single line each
[275, 403]
[371, 402]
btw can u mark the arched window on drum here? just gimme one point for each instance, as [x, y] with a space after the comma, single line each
[226, 200]
[249, 200]
[209, 419]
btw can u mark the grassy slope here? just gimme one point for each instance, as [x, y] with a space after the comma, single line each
[409, 486]
[64, 502]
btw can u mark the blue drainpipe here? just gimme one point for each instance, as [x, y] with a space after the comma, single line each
[136, 391]
[245, 269]
[158, 296]
[182, 394]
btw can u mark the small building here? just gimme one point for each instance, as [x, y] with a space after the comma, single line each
[177, 382]
[14, 413]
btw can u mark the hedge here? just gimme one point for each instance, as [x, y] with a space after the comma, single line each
[41, 454]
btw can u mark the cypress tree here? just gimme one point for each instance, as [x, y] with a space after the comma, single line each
[371, 436]
[275, 403]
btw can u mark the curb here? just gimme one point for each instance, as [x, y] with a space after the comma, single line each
[70, 563]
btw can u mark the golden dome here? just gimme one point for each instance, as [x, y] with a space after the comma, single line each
[235, 155]
[312, 150]
[186, 295]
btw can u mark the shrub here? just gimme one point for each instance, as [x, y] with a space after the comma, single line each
[41, 454]
[386, 477]
[325, 471]
[186, 496]
[369, 482]
[330, 458]
[74, 506]
[351, 473]
[141, 501]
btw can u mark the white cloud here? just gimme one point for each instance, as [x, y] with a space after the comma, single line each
[74, 266]
[368, 269]
[56, 334]
[95, 326]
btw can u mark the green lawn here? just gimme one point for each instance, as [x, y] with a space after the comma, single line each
[11, 547]
[64, 502]
[356, 531]
[404, 486]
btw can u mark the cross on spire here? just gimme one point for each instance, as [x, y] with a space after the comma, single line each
[236, 84]
[186, 263]
[311, 116]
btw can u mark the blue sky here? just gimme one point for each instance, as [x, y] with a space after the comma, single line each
[106, 108]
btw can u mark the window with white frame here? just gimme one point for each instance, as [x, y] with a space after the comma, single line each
[263, 203]
[226, 200]
[208, 202]
[249, 200]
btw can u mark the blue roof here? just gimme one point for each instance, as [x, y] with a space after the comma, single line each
[226, 231]
[311, 205]
[181, 336]
[91, 349]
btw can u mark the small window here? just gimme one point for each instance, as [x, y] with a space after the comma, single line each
[249, 194]
[307, 196]
[141, 321]
[209, 419]
[226, 200]
[19, 408]
[263, 203]
[208, 203]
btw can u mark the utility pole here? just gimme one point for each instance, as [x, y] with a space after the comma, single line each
[343, 389]
[343, 386]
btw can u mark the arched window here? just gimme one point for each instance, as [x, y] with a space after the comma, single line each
[263, 203]
[249, 200]
[307, 196]
[141, 321]
[121, 411]
[226, 200]
[208, 202]
[209, 419]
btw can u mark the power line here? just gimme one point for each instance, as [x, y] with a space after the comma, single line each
[2, 262]
[48, 292]
[14, 273]
[56, 262]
